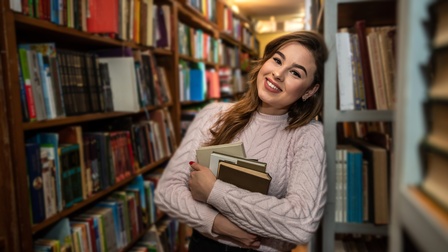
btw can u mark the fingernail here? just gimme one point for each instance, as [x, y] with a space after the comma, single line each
[191, 162]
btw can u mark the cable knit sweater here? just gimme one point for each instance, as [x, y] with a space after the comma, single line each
[291, 211]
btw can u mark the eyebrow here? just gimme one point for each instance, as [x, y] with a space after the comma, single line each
[294, 64]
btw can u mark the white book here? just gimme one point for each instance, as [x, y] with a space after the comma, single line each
[234, 149]
[123, 83]
[345, 71]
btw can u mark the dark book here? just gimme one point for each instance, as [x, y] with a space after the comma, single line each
[102, 152]
[35, 183]
[360, 28]
[245, 178]
[71, 174]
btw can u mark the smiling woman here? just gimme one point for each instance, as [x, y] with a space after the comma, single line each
[275, 122]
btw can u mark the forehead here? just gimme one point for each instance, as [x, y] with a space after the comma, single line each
[298, 54]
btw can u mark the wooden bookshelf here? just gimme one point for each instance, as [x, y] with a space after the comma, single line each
[17, 28]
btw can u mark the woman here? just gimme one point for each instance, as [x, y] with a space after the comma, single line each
[275, 120]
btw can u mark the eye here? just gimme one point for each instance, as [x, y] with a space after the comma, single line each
[295, 73]
[278, 61]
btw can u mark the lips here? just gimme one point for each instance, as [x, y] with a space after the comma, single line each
[271, 86]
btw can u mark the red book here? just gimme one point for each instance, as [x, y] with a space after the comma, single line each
[360, 28]
[103, 16]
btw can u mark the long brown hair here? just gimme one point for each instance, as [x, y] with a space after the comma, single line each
[232, 122]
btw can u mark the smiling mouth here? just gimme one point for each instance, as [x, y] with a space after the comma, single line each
[271, 85]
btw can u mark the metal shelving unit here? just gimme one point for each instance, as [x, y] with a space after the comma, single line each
[332, 116]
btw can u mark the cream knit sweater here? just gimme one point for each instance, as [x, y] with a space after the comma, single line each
[289, 215]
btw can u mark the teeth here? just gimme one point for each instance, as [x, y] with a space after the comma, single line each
[273, 86]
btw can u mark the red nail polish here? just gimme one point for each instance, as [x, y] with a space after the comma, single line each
[191, 162]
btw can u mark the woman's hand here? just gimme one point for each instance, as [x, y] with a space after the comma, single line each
[201, 182]
[225, 227]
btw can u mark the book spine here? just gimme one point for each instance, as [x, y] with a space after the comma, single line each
[35, 182]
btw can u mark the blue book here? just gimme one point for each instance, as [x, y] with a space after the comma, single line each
[46, 89]
[120, 235]
[61, 232]
[35, 183]
[197, 91]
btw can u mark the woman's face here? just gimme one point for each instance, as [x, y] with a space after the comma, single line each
[286, 77]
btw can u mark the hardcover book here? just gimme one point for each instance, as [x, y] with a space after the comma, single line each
[235, 149]
[243, 177]
[216, 158]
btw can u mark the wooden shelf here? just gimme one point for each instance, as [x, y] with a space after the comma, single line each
[364, 116]
[66, 212]
[82, 118]
[39, 30]
[361, 228]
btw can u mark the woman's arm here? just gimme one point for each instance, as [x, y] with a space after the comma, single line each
[172, 194]
[293, 218]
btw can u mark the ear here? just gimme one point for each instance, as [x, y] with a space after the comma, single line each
[310, 92]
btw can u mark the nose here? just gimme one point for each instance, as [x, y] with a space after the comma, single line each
[277, 74]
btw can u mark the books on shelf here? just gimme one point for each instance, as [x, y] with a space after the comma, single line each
[378, 171]
[366, 67]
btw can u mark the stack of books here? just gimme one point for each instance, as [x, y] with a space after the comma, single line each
[228, 163]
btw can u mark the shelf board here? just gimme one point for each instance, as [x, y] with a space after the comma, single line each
[43, 28]
[361, 228]
[190, 17]
[162, 51]
[229, 39]
[66, 212]
[424, 221]
[81, 118]
[363, 115]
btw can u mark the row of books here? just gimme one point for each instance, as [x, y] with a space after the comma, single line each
[64, 83]
[110, 225]
[162, 237]
[249, 40]
[197, 44]
[229, 55]
[362, 182]
[231, 23]
[197, 83]
[206, 7]
[366, 67]
[145, 83]
[131, 20]
[71, 165]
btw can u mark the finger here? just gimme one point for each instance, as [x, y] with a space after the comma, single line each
[195, 166]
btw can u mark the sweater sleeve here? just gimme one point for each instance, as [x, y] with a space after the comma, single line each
[172, 193]
[293, 218]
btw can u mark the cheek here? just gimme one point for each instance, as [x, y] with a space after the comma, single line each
[296, 90]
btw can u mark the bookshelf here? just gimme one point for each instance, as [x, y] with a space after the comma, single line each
[18, 28]
[417, 223]
[337, 14]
